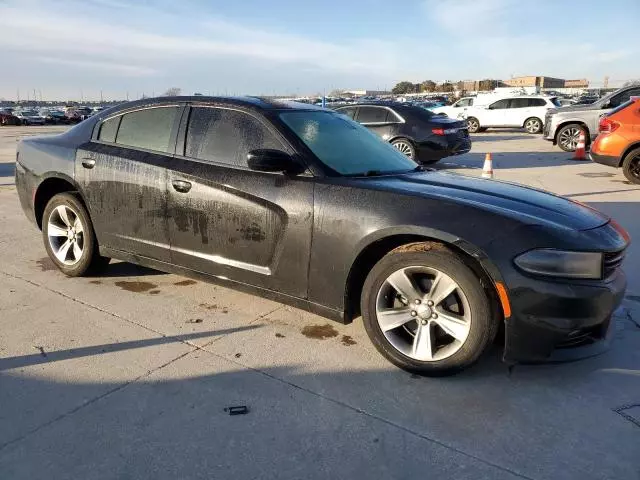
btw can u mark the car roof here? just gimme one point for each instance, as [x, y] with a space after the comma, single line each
[254, 103]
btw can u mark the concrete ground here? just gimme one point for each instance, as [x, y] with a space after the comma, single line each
[127, 375]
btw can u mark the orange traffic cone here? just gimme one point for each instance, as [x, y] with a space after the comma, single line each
[487, 168]
[580, 153]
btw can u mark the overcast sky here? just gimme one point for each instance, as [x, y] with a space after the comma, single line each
[68, 48]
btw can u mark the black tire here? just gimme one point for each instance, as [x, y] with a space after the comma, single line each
[473, 124]
[405, 146]
[483, 326]
[567, 130]
[631, 166]
[533, 125]
[90, 261]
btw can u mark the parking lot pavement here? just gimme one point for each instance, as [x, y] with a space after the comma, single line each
[127, 375]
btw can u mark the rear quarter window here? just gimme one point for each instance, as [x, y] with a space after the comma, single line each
[108, 130]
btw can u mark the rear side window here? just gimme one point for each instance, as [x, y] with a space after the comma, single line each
[349, 111]
[226, 136]
[519, 103]
[108, 130]
[149, 129]
[500, 104]
[537, 102]
[372, 115]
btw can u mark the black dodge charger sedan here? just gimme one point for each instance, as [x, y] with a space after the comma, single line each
[308, 207]
[415, 131]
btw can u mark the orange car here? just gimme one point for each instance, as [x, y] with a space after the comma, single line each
[618, 141]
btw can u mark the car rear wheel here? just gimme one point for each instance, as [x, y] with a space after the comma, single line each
[426, 311]
[69, 237]
[473, 124]
[533, 125]
[631, 166]
[405, 146]
[568, 137]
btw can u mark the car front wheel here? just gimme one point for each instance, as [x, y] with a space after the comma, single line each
[568, 137]
[69, 238]
[426, 311]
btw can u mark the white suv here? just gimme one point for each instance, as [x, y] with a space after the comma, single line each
[458, 109]
[527, 112]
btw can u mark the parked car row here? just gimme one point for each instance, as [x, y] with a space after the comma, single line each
[46, 116]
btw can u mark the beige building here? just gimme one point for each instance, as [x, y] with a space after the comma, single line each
[535, 81]
[581, 83]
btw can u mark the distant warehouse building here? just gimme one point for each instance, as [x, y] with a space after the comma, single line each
[535, 81]
[581, 83]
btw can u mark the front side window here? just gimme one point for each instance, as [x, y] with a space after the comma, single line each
[149, 129]
[465, 102]
[345, 146]
[226, 136]
[372, 115]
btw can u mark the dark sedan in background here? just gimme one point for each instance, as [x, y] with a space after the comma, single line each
[305, 206]
[414, 130]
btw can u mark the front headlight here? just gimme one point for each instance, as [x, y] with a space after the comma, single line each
[559, 263]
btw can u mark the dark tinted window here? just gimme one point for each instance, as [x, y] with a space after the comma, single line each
[226, 136]
[108, 130]
[349, 111]
[499, 104]
[519, 103]
[149, 129]
[372, 115]
[624, 97]
[537, 102]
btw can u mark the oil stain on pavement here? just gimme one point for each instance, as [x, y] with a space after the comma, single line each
[347, 340]
[319, 332]
[185, 283]
[46, 264]
[136, 287]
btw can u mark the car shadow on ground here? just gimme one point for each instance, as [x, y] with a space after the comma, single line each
[508, 160]
[497, 138]
[487, 416]
[125, 269]
[7, 169]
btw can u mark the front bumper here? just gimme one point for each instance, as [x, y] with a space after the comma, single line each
[555, 321]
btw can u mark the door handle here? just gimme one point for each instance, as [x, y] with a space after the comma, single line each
[88, 162]
[181, 186]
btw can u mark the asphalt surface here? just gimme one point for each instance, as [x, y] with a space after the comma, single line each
[128, 375]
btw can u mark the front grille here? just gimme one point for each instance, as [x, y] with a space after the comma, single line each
[547, 124]
[612, 261]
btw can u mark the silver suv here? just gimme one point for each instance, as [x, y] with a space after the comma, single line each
[563, 125]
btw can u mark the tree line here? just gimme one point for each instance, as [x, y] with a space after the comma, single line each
[429, 86]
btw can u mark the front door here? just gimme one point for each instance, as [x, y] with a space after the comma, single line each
[496, 114]
[123, 177]
[229, 221]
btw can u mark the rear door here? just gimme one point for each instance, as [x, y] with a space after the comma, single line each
[123, 177]
[518, 111]
[378, 119]
[230, 221]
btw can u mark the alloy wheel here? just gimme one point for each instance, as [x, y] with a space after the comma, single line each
[569, 138]
[404, 147]
[532, 126]
[66, 235]
[423, 313]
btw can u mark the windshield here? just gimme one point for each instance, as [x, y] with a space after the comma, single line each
[344, 145]
[556, 101]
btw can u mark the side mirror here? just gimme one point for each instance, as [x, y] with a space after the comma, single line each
[269, 160]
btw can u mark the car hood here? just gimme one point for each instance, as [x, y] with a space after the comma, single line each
[524, 203]
[573, 108]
